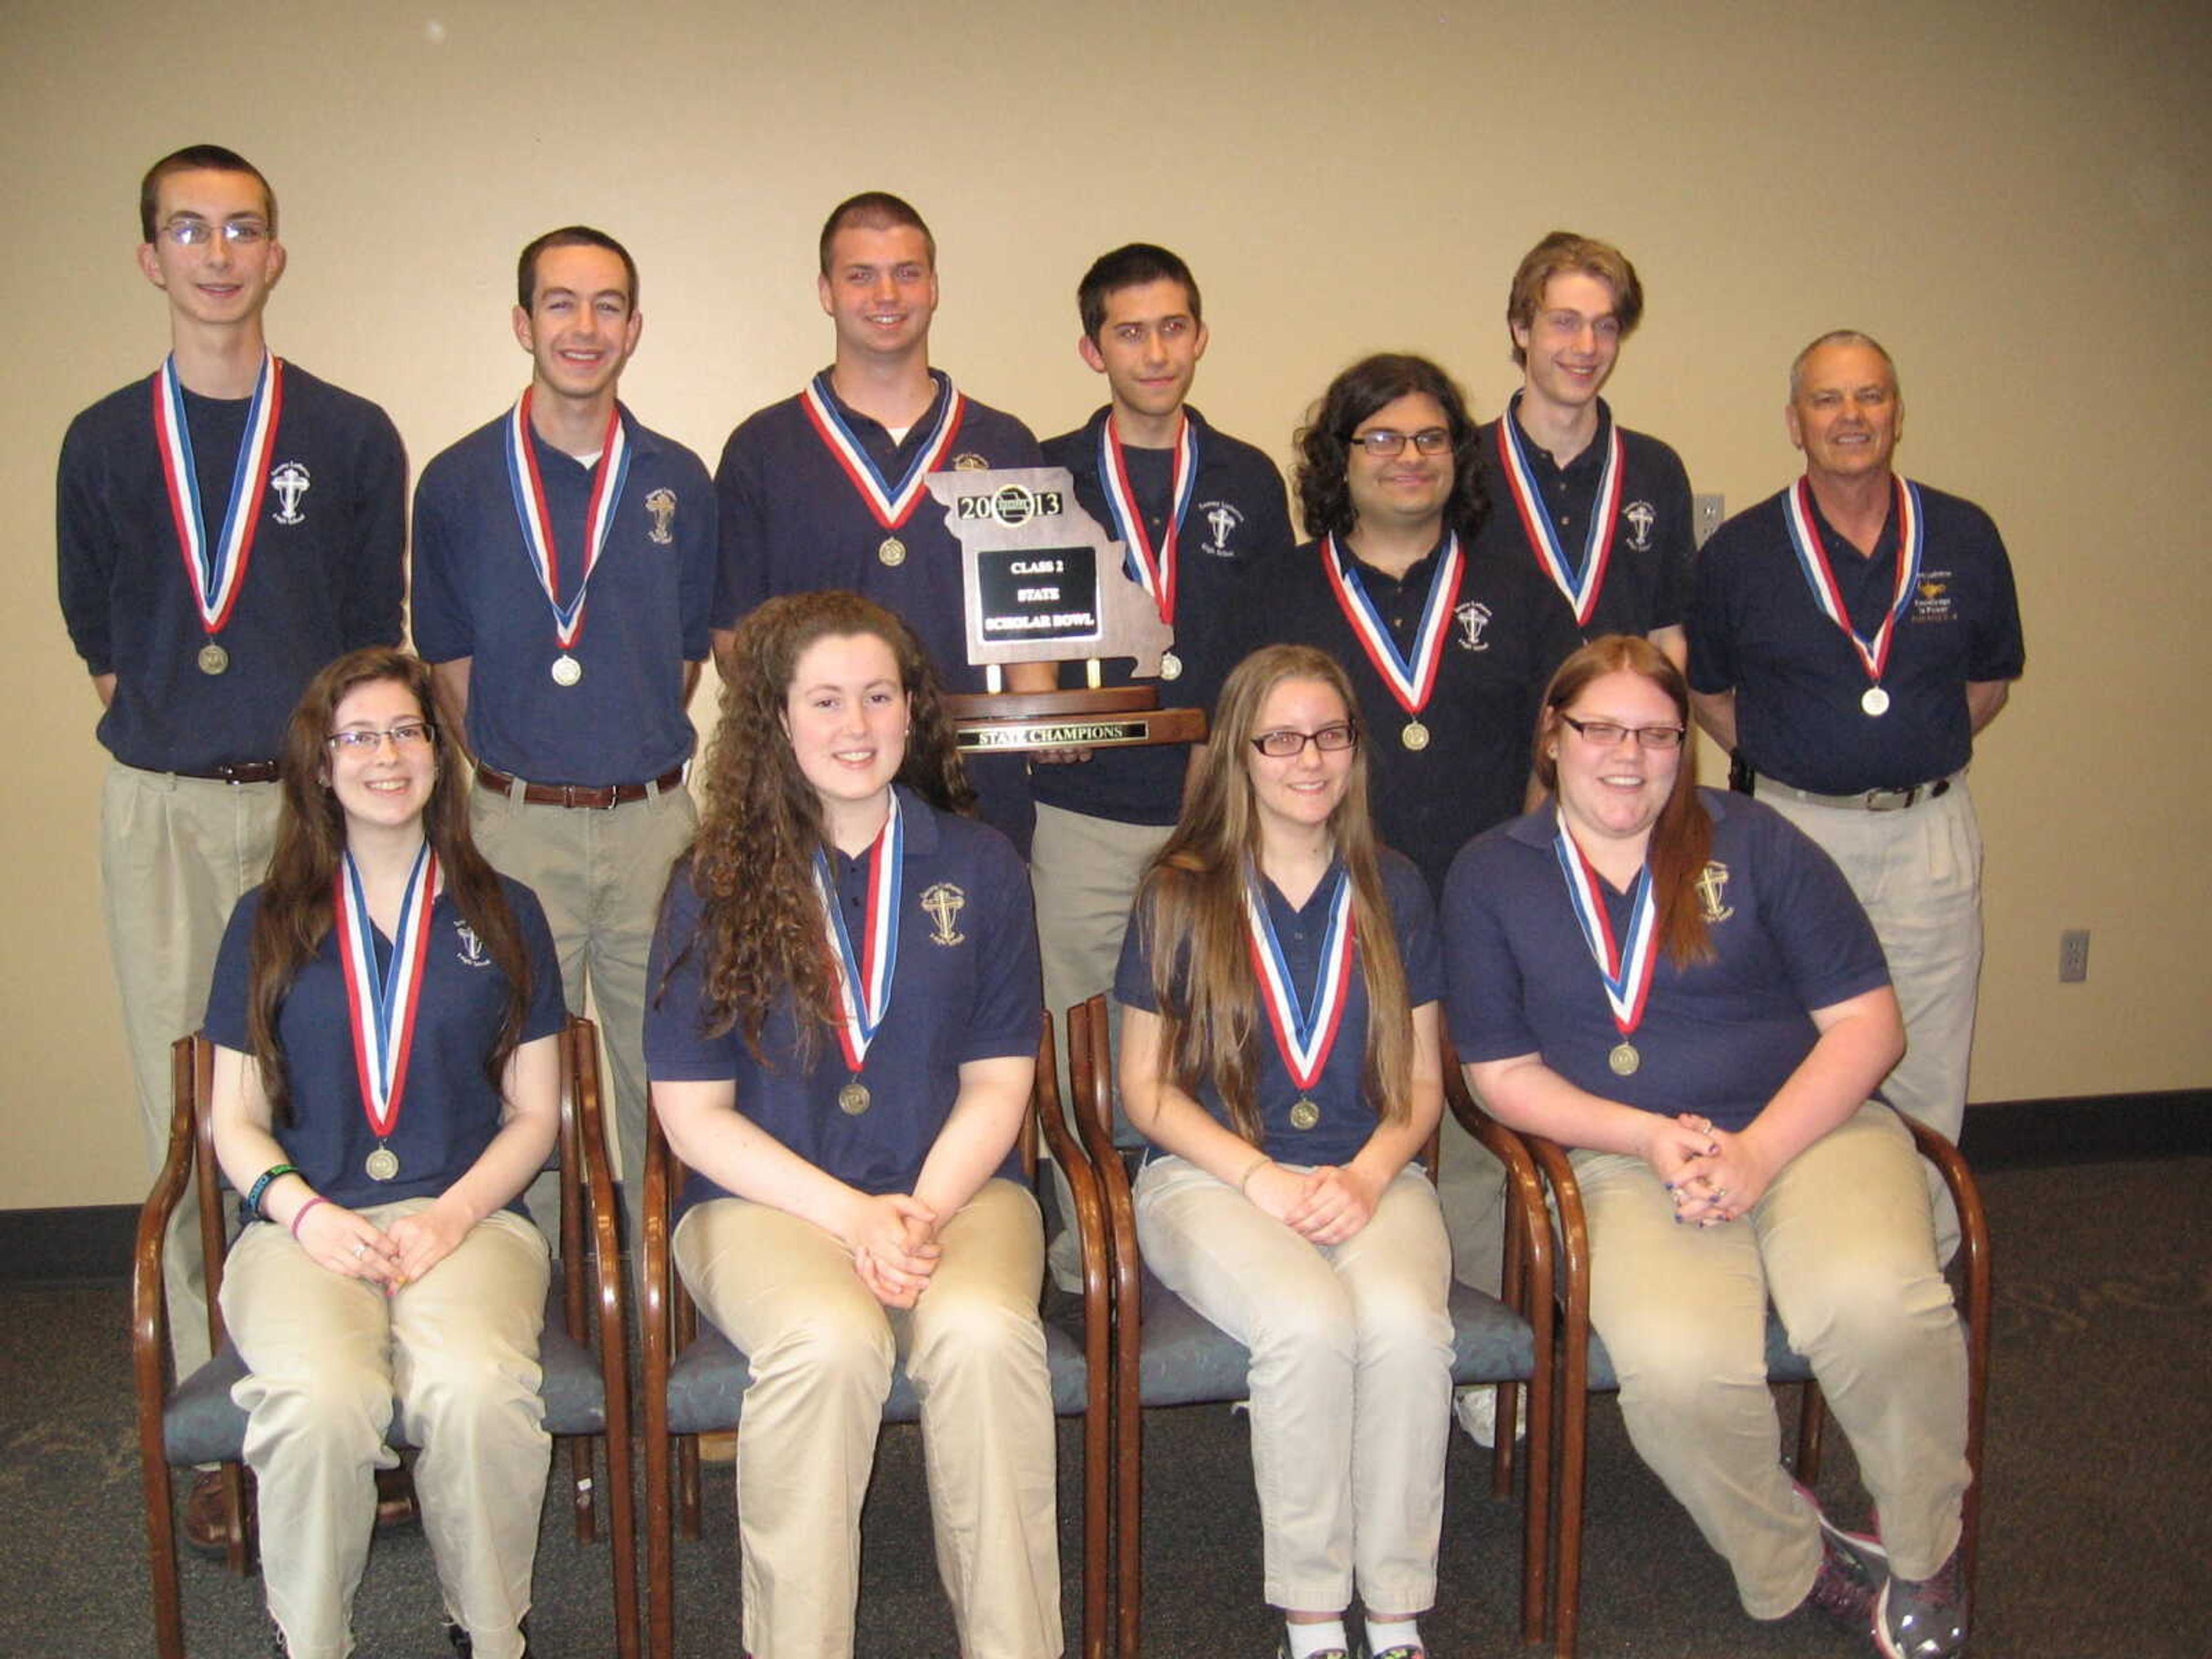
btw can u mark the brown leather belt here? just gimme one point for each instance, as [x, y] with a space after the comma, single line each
[577, 794]
[238, 772]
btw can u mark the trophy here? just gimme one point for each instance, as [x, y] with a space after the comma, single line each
[1043, 582]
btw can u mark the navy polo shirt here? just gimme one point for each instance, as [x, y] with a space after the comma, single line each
[1756, 629]
[1347, 1117]
[450, 1110]
[324, 577]
[966, 986]
[1507, 635]
[477, 595]
[1718, 1038]
[1238, 512]
[1647, 576]
[793, 523]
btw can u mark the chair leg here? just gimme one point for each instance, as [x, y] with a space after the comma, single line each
[1503, 1438]
[687, 1482]
[1567, 1565]
[241, 1518]
[660, 1539]
[581, 1492]
[162, 1548]
[1811, 1420]
[622, 1521]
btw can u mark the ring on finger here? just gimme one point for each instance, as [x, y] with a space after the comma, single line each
[360, 1250]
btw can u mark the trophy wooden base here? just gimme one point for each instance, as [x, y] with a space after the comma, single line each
[1115, 717]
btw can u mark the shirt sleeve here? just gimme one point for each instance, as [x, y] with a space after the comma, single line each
[1487, 1017]
[677, 1049]
[225, 1021]
[1712, 659]
[741, 572]
[700, 534]
[1999, 652]
[376, 590]
[549, 1007]
[1007, 1015]
[440, 614]
[85, 550]
[1815, 921]
[1413, 917]
[1678, 538]
[1133, 974]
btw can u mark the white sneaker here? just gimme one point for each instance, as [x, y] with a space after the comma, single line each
[1475, 1410]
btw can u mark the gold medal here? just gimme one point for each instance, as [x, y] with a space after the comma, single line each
[853, 1098]
[383, 1163]
[1624, 1060]
[1875, 700]
[1415, 736]
[1170, 666]
[1305, 1115]
[566, 670]
[892, 552]
[213, 658]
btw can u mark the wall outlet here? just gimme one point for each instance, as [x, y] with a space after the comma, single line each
[2074, 955]
[1706, 513]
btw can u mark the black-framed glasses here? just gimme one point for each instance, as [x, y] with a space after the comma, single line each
[368, 739]
[1382, 442]
[1606, 733]
[1287, 743]
[199, 233]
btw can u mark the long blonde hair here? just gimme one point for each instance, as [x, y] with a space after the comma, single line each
[1191, 904]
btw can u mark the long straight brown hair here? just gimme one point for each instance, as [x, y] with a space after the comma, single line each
[296, 902]
[1682, 838]
[1191, 902]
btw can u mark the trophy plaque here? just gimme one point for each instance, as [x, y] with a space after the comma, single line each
[1043, 582]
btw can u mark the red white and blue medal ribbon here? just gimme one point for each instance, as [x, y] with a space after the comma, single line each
[608, 474]
[217, 568]
[1152, 569]
[1627, 971]
[1412, 679]
[1813, 559]
[380, 1006]
[892, 504]
[1304, 1030]
[1580, 586]
[864, 976]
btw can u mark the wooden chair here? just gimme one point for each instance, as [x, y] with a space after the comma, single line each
[1166, 1354]
[1584, 1368]
[194, 1421]
[695, 1379]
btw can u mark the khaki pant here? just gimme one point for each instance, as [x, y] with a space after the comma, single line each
[600, 874]
[1843, 1243]
[458, 1348]
[1351, 1377]
[822, 1348]
[1918, 872]
[176, 855]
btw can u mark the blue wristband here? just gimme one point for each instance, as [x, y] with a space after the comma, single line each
[274, 1172]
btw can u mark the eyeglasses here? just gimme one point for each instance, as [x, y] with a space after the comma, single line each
[199, 233]
[367, 739]
[1382, 443]
[1287, 743]
[1606, 733]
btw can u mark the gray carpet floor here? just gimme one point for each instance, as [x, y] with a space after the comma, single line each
[2097, 1533]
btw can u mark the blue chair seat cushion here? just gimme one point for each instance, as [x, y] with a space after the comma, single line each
[200, 1423]
[1188, 1361]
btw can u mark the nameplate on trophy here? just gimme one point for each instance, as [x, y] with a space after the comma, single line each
[1042, 581]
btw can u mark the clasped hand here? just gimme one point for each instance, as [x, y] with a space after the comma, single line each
[893, 1238]
[348, 1243]
[1327, 1205]
[1713, 1175]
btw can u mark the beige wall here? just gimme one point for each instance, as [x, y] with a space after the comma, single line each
[2001, 192]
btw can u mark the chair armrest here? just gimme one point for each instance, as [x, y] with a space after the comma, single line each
[149, 1308]
[1083, 1181]
[1090, 1080]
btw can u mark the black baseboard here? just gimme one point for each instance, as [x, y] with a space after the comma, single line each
[2027, 1134]
[93, 1241]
